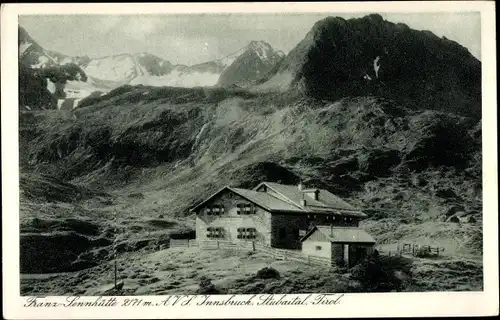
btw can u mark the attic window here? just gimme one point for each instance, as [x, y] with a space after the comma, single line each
[318, 248]
[245, 208]
[215, 210]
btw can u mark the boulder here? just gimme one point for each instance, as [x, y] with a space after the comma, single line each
[445, 193]
[344, 166]
[454, 209]
[378, 162]
[470, 219]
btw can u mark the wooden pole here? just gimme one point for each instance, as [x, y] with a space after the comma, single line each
[115, 252]
[116, 272]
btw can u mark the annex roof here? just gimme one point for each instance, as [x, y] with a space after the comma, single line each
[342, 234]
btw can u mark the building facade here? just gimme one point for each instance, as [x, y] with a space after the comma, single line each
[272, 214]
[344, 246]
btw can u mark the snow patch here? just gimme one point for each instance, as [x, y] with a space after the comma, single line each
[59, 103]
[75, 103]
[198, 136]
[42, 62]
[24, 46]
[376, 66]
[177, 78]
[66, 60]
[117, 68]
[51, 86]
[228, 60]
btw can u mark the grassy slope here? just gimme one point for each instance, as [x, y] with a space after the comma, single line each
[179, 271]
[156, 151]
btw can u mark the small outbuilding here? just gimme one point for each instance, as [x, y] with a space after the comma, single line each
[345, 246]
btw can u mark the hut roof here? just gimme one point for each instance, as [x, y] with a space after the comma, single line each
[342, 234]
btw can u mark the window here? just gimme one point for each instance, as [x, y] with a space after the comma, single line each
[247, 233]
[318, 248]
[214, 210]
[215, 233]
[246, 209]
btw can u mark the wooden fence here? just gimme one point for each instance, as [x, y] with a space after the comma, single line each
[413, 249]
[183, 243]
[278, 254]
[294, 255]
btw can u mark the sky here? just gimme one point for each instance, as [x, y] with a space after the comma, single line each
[195, 38]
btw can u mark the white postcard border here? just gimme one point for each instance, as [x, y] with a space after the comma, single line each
[352, 305]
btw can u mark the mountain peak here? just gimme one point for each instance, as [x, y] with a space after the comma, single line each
[250, 64]
[259, 45]
[373, 56]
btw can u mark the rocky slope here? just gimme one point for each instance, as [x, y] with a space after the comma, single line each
[142, 155]
[415, 173]
[45, 88]
[50, 80]
[372, 56]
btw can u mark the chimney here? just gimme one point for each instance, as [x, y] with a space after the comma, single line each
[300, 186]
[303, 202]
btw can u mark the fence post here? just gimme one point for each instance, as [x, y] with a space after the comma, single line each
[188, 243]
[437, 251]
[253, 245]
[217, 244]
[308, 259]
